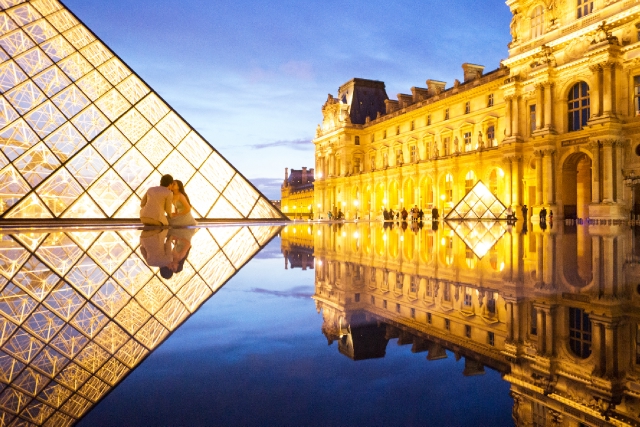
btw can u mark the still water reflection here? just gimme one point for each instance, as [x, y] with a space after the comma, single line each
[546, 322]
[80, 310]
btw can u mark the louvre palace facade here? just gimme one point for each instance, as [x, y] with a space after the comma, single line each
[556, 125]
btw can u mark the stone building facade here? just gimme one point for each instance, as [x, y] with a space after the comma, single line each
[297, 193]
[557, 313]
[556, 125]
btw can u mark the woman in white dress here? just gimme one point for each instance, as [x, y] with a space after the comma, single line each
[182, 215]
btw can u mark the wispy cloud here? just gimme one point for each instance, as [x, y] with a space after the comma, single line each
[296, 144]
[300, 292]
[270, 187]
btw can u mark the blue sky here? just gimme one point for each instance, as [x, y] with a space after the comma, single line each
[251, 77]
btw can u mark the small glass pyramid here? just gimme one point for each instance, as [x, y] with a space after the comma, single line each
[478, 205]
[479, 236]
[82, 136]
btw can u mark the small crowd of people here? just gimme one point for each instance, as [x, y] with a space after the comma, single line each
[412, 215]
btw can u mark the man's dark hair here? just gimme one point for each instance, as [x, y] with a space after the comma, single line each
[166, 180]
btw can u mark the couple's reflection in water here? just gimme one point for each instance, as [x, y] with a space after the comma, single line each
[80, 310]
[556, 311]
[166, 248]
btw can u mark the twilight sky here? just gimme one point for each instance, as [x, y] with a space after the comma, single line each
[252, 76]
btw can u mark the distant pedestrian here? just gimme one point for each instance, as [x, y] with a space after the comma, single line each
[524, 213]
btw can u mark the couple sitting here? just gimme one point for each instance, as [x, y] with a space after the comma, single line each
[161, 200]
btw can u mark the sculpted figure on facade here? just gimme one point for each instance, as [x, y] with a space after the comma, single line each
[515, 25]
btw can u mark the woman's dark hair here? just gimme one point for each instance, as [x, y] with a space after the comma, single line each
[181, 189]
[167, 273]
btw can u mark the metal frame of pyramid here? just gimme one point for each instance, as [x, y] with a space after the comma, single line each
[479, 204]
[479, 236]
[81, 310]
[83, 136]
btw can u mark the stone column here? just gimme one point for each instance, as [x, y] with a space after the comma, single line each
[510, 319]
[610, 336]
[515, 181]
[607, 83]
[597, 342]
[548, 106]
[595, 91]
[541, 328]
[595, 172]
[608, 266]
[515, 116]
[517, 334]
[508, 115]
[507, 180]
[619, 153]
[549, 177]
[607, 171]
[539, 177]
[548, 333]
[539, 106]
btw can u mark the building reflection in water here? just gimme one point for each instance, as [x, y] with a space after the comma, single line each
[556, 312]
[80, 310]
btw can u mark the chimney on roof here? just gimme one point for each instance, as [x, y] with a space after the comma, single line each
[419, 94]
[435, 87]
[304, 175]
[404, 100]
[286, 176]
[472, 71]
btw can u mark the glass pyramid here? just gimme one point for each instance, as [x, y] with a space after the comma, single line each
[479, 204]
[479, 236]
[80, 310]
[82, 136]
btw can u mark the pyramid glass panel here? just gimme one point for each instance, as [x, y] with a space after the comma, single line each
[479, 236]
[478, 204]
[72, 90]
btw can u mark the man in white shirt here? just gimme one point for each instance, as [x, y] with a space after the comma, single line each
[156, 205]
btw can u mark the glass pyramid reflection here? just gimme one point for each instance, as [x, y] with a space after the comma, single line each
[479, 204]
[82, 136]
[80, 310]
[479, 236]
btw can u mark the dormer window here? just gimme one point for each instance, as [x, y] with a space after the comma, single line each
[357, 140]
[537, 22]
[446, 114]
[585, 7]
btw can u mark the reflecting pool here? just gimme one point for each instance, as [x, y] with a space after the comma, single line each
[464, 323]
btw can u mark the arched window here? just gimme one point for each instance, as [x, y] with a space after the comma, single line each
[579, 110]
[579, 332]
[537, 22]
[469, 181]
[448, 187]
[493, 182]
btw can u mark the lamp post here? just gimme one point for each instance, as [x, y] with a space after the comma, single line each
[356, 203]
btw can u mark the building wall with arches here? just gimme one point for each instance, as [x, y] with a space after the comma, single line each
[570, 85]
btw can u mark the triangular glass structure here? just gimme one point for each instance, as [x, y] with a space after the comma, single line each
[478, 205]
[479, 236]
[80, 310]
[82, 136]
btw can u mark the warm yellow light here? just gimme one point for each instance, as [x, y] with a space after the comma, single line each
[356, 235]
[500, 173]
[319, 262]
[344, 203]
[443, 242]
[344, 234]
[384, 237]
[442, 197]
[319, 233]
[319, 174]
[384, 202]
[319, 205]
[501, 266]
[294, 231]
[402, 238]
[356, 202]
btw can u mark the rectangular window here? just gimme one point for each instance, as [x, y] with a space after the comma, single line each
[357, 297]
[446, 292]
[446, 144]
[397, 130]
[414, 284]
[356, 165]
[532, 118]
[429, 289]
[447, 324]
[413, 313]
[373, 300]
[384, 134]
[468, 296]
[429, 318]
[467, 107]
[373, 137]
[467, 142]
[397, 308]
[539, 414]
[413, 153]
[490, 100]
[413, 125]
[491, 339]
[533, 330]
[372, 161]
[638, 344]
[357, 140]
[384, 303]
[446, 114]
[585, 7]
[467, 331]
[429, 120]
[491, 305]
[491, 136]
